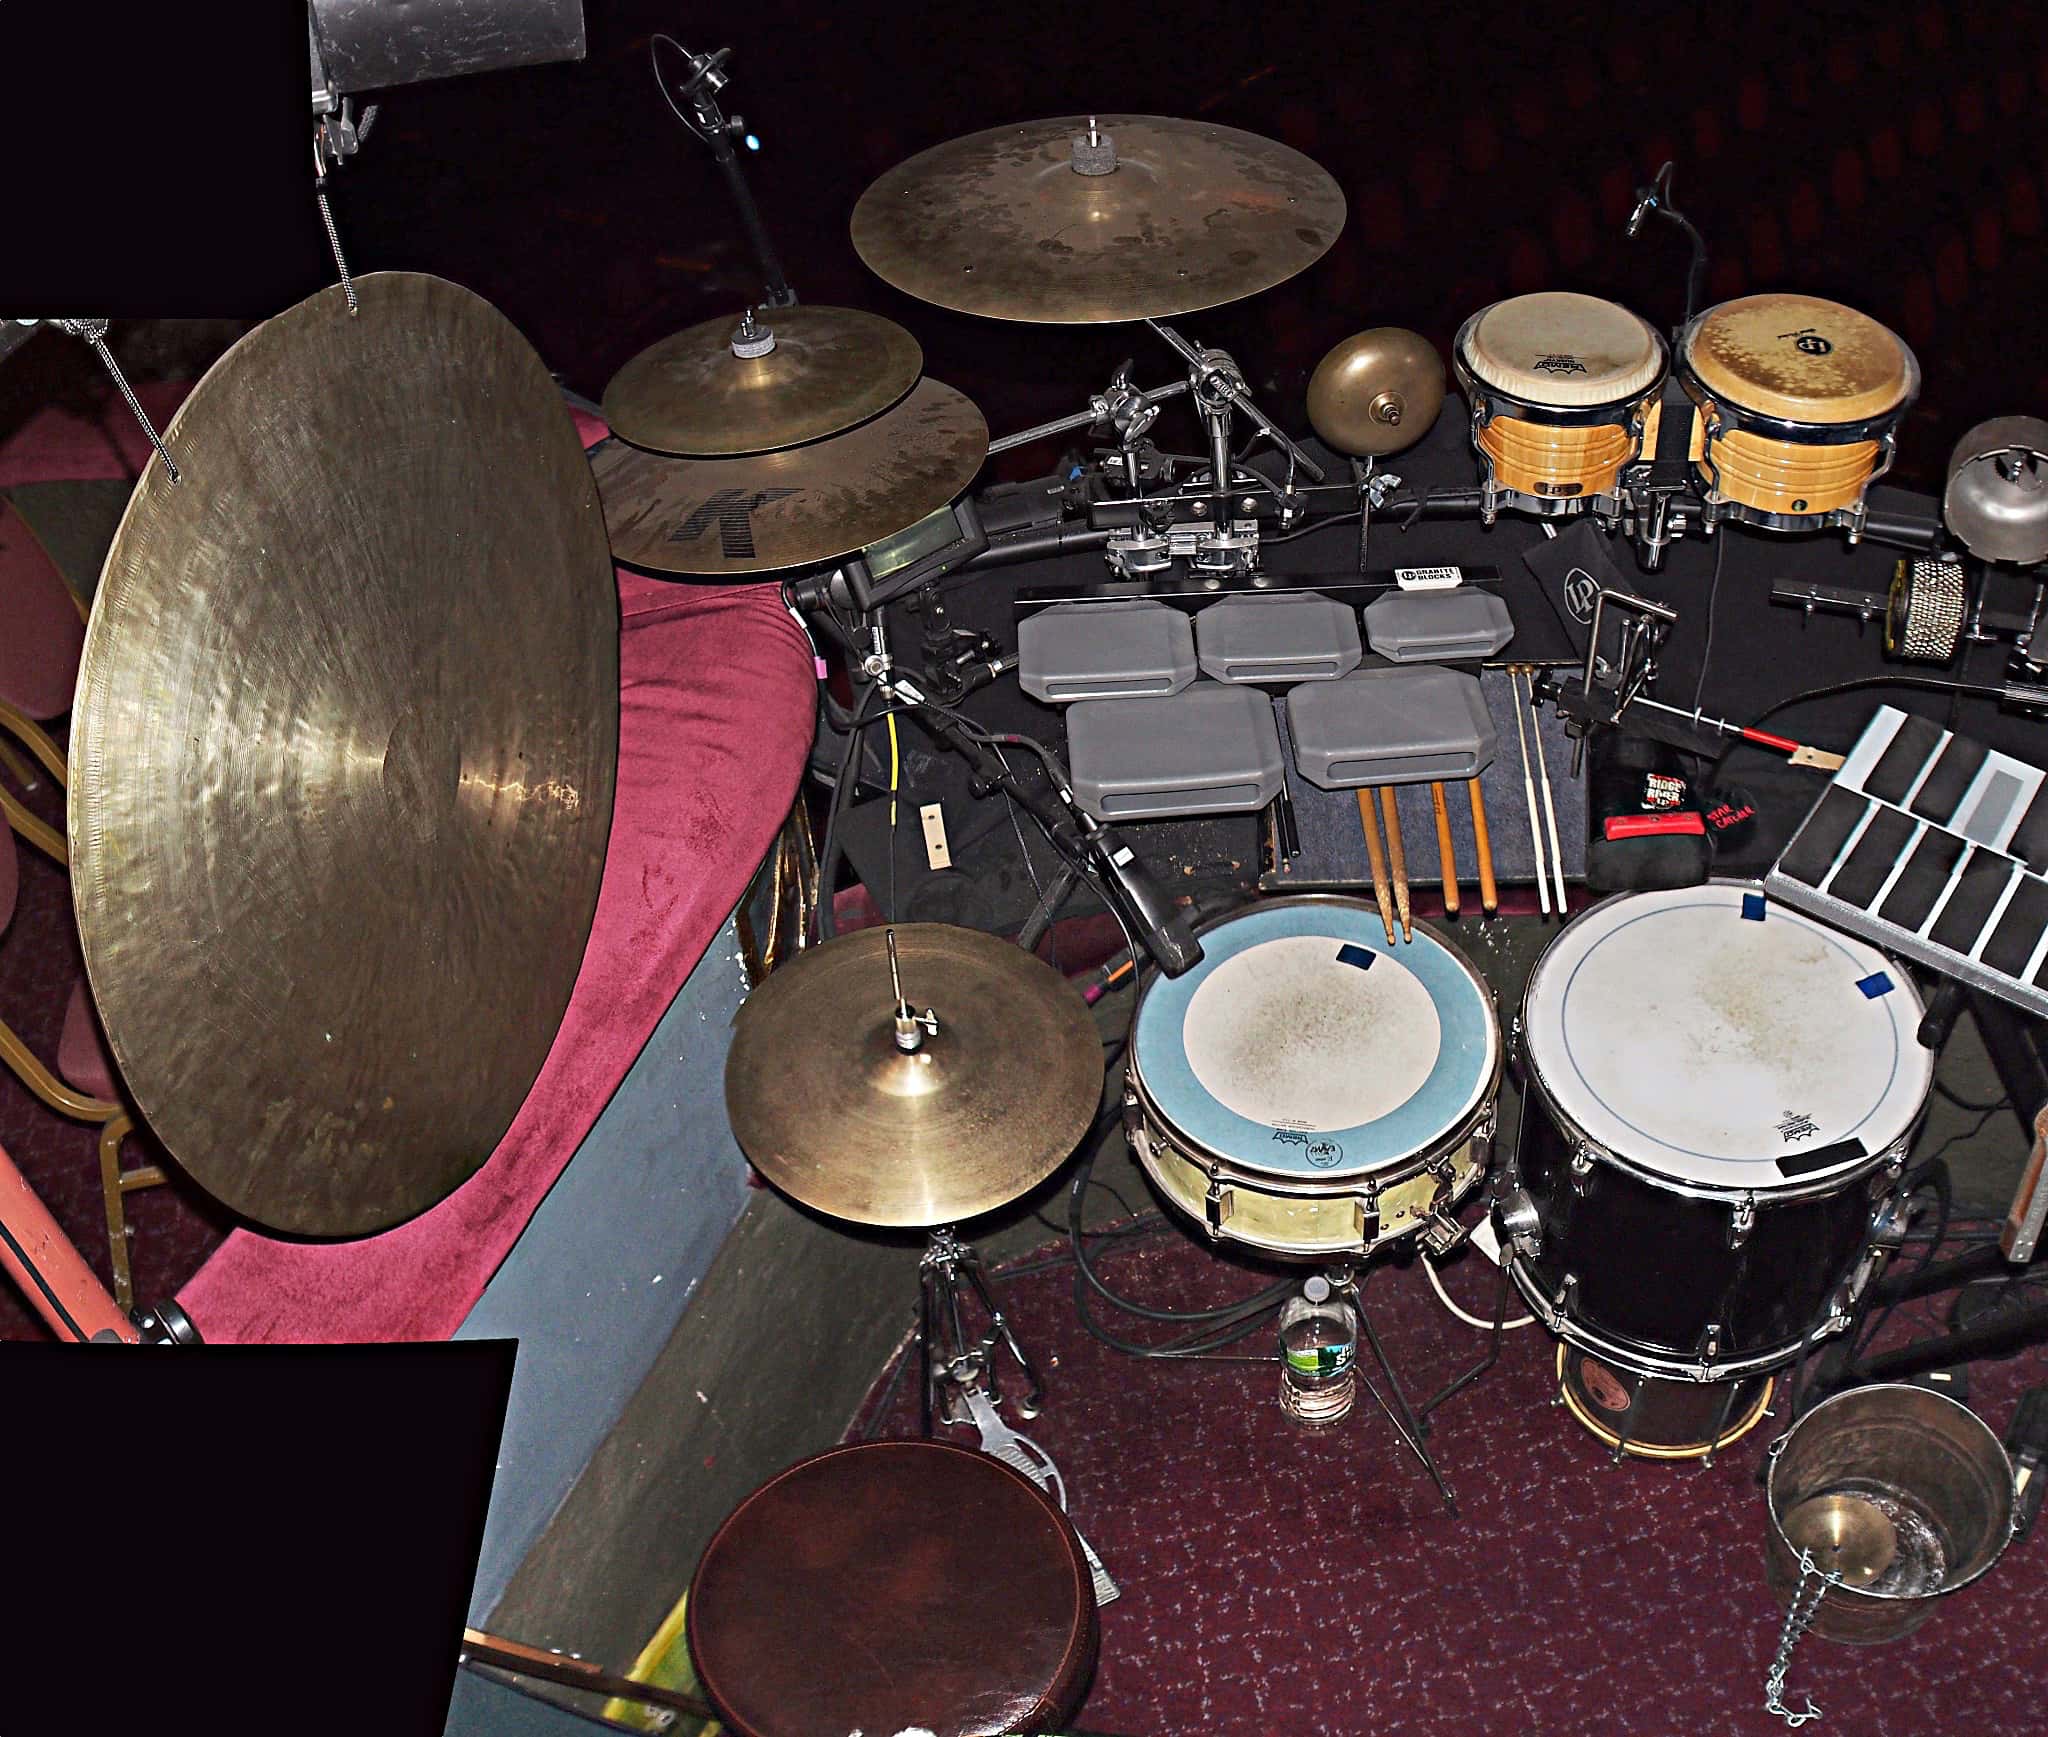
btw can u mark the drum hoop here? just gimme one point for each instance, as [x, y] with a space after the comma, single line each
[1767, 1195]
[1795, 433]
[1418, 1160]
[1403, 1167]
[1667, 1365]
[1829, 1182]
[1551, 415]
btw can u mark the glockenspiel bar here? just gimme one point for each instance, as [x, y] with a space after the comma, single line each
[1905, 757]
[1923, 880]
[1940, 795]
[2020, 929]
[1931, 844]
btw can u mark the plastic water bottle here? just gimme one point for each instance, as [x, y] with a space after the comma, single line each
[1318, 1351]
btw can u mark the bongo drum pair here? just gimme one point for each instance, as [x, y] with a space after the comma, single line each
[1796, 403]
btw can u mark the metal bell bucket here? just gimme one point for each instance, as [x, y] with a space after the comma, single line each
[1921, 1497]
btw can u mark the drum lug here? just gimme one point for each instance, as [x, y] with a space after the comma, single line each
[1710, 1348]
[1582, 1168]
[1216, 1206]
[1743, 1222]
[1567, 1297]
[1365, 1216]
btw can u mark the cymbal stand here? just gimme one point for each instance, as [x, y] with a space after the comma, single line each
[1217, 377]
[699, 111]
[946, 1356]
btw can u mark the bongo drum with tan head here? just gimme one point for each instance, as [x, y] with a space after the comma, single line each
[1563, 390]
[1799, 402]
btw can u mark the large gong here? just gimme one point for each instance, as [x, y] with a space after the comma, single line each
[342, 756]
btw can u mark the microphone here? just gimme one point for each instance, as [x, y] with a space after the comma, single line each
[1161, 926]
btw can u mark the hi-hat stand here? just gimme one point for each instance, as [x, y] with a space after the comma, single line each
[951, 1360]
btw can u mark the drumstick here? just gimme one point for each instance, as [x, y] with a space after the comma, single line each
[1397, 860]
[1375, 853]
[1549, 811]
[1529, 796]
[1482, 841]
[1447, 858]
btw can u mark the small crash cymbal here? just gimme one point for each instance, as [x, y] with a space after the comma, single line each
[1846, 1533]
[834, 1113]
[1142, 217]
[774, 378]
[727, 517]
[1377, 392]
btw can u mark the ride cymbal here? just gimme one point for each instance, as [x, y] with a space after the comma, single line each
[1376, 393]
[1047, 223]
[728, 517]
[834, 1113]
[343, 753]
[788, 376]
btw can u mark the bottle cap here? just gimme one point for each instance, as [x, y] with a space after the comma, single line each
[1317, 1289]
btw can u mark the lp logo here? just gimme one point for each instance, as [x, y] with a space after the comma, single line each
[734, 510]
[1581, 592]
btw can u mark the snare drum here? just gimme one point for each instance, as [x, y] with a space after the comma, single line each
[1564, 393]
[1727, 1094]
[1799, 401]
[1310, 1090]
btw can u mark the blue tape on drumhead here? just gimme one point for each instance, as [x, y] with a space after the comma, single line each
[1753, 907]
[1362, 957]
[1876, 984]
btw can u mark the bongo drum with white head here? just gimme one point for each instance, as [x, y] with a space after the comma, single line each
[1309, 1089]
[1563, 390]
[1799, 402]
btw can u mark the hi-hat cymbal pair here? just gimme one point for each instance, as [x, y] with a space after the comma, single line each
[784, 438]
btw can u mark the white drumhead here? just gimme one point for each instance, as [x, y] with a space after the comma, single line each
[1563, 349]
[1714, 1037]
[1305, 1046]
[1278, 1034]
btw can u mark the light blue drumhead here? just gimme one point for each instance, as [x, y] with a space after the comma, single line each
[1303, 1044]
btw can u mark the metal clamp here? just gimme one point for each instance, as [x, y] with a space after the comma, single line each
[1743, 1222]
[1581, 1168]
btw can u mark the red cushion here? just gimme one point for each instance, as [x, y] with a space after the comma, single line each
[82, 1057]
[103, 443]
[715, 714]
[41, 631]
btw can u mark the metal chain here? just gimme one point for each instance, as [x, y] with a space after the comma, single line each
[348, 288]
[1797, 1622]
[94, 332]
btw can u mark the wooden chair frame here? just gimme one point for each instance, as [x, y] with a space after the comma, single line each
[115, 1120]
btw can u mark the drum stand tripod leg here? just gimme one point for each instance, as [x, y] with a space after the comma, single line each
[1500, 1314]
[1394, 1403]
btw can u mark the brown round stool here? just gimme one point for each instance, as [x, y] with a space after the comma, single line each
[891, 1585]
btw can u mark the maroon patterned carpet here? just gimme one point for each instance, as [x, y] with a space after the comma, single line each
[1276, 1585]
[175, 1227]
